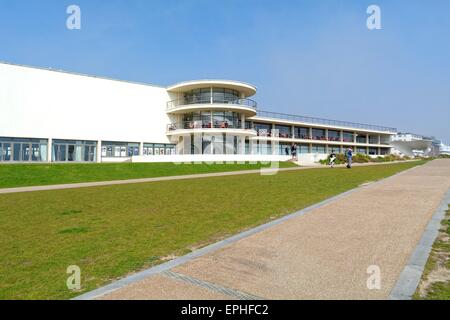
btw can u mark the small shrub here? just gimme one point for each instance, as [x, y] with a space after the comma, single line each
[361, 158]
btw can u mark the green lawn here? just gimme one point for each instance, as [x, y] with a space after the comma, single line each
[435, 284]
[111, 231]
[21, 175]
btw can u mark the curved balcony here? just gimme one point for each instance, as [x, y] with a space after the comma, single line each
[247, 106]
[229, 127]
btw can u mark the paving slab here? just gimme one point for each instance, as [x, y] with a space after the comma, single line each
[326, 253]
[163, 288]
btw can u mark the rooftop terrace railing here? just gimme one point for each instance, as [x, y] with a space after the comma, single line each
[248, 103]
[319, 121]
[197, 125]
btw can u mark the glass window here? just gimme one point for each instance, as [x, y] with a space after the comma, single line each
[263, 147]
[284, 149]
[316, 148]
[263, 129]
[7, 151]
[348, 136]
[373, 139]
[26, 152]
[119, 149]
[62, 152]
[373, 151]
[284, 131]
[303, 148]
[361, 138]
[361, 150]
[334, 135]
[148, 149]
[198, 96]
[318, 134]
[75, 151]
[334, 149]
[301, 133]
[35, 152]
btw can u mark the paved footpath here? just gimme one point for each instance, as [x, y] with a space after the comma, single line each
[322, 254]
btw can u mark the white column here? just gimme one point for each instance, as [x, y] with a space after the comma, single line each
[211, 98]
[242, 145]
[243, 121]
[141, 149]
[99, 151]
[49, 149]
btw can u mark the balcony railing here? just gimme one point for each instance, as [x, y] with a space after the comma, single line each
[284, 135]
[290, 117]
[248, 103]
[199, 125]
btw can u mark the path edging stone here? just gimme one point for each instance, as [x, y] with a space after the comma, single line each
[411, 275]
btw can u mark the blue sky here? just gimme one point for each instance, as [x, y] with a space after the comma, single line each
[314, 58]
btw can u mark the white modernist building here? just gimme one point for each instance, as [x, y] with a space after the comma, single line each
[444, 149]
[412, 145]
[54, 116]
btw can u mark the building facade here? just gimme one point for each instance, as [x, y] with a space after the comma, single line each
[54, 116]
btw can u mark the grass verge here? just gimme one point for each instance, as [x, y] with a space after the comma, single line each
[435, 283]
[111, 231]
[24, 175]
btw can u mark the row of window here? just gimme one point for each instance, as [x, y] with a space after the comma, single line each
[221, 144]
[36, 150]
[151, 149]
[206, 95]
[266, 130]
[285, 149]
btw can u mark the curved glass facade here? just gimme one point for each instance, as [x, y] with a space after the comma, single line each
[214, 119]
[208, 95]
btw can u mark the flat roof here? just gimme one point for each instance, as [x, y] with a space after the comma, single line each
[80, 74]
[246, 88]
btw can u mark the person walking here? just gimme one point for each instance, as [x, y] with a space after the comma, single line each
[286, 150]
[332, 158]
[349, 155]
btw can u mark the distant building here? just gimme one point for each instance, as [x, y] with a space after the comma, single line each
[411, 145]
[444, 149]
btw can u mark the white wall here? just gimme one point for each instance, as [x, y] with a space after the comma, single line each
[37, 103]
